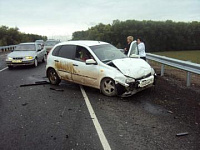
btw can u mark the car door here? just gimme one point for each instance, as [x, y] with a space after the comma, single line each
[39, 52]
[63, 59]
[133, 50]
[85, 74]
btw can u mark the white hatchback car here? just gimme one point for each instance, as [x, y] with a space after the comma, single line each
[99, 65]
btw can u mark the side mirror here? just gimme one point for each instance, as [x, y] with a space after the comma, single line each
[90, 62]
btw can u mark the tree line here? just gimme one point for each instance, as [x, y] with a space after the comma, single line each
[157, 35]
[12, 36]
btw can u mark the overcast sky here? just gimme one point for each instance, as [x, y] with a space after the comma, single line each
[63, 17]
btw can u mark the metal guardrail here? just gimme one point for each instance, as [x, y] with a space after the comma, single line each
[7, 48]
[180, 64]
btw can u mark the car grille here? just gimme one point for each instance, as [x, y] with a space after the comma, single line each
[18, 58]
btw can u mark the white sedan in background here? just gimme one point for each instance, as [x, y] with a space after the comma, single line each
[99, 65]
[49, 44]
[26, 54]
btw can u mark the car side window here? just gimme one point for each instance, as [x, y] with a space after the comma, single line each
[67, 51]
[56, 50]
[82, 54]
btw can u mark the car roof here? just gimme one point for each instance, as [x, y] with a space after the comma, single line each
[28, 43]
[83, 43]
[39, 40]
[51, 40]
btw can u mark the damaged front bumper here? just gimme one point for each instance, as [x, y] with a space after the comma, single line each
[132, 88]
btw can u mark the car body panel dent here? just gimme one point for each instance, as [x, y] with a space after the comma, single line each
[135, 68]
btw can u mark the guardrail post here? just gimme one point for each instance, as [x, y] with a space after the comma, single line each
[162, 70]
[188, 78]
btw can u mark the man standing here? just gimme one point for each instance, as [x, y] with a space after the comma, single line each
[141, 49]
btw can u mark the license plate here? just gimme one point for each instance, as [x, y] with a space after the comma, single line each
[147, 81]
[17, 61]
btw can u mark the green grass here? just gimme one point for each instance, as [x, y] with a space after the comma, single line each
[193, 56]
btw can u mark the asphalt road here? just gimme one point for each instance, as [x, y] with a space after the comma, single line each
[36, 117]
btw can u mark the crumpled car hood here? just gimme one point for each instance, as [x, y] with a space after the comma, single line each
[22, 54]
[133, 67]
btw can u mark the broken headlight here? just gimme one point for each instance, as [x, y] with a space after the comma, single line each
[130, 80]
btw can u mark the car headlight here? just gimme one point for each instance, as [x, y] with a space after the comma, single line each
[29, 57]
[9, 58]
[130, 80]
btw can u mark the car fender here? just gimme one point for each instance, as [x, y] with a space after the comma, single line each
[113, 73]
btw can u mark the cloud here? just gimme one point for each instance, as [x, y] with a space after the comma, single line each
[63, 17]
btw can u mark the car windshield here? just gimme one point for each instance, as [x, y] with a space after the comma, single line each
[50, 43]
[25, 47]
[107, 52]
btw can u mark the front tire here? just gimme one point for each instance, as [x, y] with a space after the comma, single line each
[108, 87]
[35, 62]
[53, 77]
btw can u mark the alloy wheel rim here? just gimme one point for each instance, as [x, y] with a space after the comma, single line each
[53, 76]
[109, 87]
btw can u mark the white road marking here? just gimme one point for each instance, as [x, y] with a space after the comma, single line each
[3, 69]
[99, 130]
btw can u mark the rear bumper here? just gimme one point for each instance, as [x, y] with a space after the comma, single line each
[23, 63]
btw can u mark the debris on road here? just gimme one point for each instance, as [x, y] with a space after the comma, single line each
[24, 104]
[175, 117]
[169, 111]
[42, 82]
[63, 112]
[36, 83]
[182, 134]
[61, 90]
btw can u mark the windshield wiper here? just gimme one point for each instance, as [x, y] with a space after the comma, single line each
[106, 60]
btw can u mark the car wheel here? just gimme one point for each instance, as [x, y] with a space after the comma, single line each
[35, 62]
[108, 87]
[53, 77]
[44, 58]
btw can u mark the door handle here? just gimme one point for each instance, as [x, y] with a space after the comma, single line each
[56, 60]
[75, 65]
